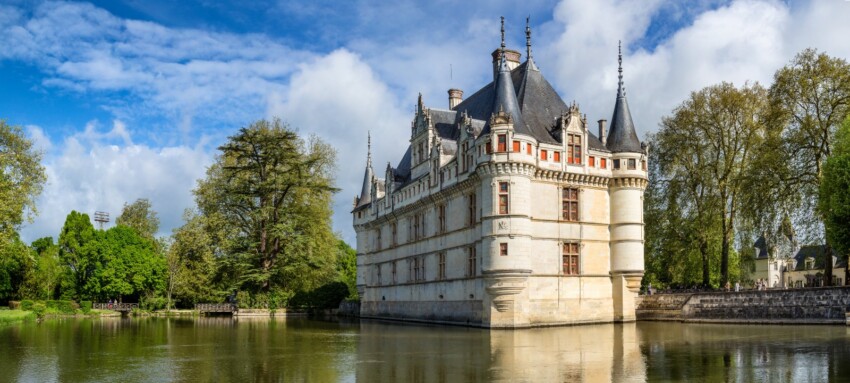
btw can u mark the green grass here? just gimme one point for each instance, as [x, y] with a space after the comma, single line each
[14, 316]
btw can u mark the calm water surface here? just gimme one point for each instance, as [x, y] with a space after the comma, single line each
[302, 350]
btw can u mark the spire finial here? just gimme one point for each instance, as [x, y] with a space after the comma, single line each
[369, 148]
[503, 34]
[528, 38]
[620, 90]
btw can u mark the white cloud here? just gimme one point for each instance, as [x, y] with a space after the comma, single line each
[89, 173]
[338, 97]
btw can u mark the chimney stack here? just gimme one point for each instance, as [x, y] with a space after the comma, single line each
[511, 56]
[603, 135]
[455, 97]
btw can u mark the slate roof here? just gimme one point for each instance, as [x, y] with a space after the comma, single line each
[527, 96]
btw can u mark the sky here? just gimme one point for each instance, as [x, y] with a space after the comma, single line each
[130, 99]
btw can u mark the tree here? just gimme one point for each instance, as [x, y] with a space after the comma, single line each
[22, 178]
[269, 193]
[78, 251]
[191, 263]
[347, 267]
[16, 263]
[140, 216]
[130, 265]
[44, 278]
[810, 97]
[834, 196]
[704, 151]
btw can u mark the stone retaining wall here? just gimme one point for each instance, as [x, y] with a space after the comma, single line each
[826, 305]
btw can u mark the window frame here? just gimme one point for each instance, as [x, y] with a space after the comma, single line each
[574, 152]
[504, 197]
[571, 258]
[503, 249]
[571, 204]
[502, 143]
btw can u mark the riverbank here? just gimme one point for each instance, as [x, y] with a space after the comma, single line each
[15, 316]
[821, 305]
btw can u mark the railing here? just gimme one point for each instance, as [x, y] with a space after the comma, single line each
[216, 307]
[115, 306]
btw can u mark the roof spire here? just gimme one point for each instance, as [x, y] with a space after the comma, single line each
[621, 91]
[503, 35]
[528, 38]
[369, 148]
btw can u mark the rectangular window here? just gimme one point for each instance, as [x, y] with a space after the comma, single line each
[516, 147]
[503, 143]
[632, 164]
[603, 163]
[411, 270]
[616, 164]
[591, 161]
[421, 152]
[411, 229]
[570, 258]
[378, 279]
[557, 156]
[574, 149]
[569, 204]
[394, 228]
[488, 148]
[471, 210]
[416, 226]
[394, 273]
[643, 165]
[503, 198]
[441, 212]
[471, 262]
[503, 249]
[378, 239]
[442, 273]
[528, 148]
[544, 155]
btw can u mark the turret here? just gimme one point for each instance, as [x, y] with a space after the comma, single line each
[626, 196]
[366, 190]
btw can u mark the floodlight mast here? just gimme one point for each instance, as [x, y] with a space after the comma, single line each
[101, 217]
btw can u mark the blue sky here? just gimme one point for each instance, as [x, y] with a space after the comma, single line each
[130, 99]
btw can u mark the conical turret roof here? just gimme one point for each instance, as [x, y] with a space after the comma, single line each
[366, 191]
[622, 136]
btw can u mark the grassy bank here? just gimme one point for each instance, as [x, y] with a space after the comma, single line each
[14, 316]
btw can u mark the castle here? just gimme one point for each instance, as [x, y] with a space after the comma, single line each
[506, 211]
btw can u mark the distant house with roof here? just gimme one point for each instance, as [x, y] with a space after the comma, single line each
[784, 264]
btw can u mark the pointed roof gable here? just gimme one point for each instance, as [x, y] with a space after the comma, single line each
[622, 136]
[366, 191]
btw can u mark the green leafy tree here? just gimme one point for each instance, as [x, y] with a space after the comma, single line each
[834, 196]
[22, 178]
[16, 263]
[79, 252]
[810, 97]
[44, 278]
[140, 216]
[347, 267]
[130, 265]
[191, 263]
[268, 198]
[704, 150]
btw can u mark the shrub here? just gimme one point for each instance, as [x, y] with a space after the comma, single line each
[14, 305]
[39, 308]
[153, 303]
[65, 307]
[26, 304]
[86, 306]
[327, 296]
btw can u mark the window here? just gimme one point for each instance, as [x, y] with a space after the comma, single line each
[528, 148]
[569, 204]
[471, 262]
[416, 269]
[574, 149]
[544, 155]
[442, 271]
[412, 268]
[632, 164]
[411, 229]
[416, 226]
[503, 249]
[503, 142]
[464, 164]
[503, 198]
[378, 281]
[472, 210]
[488, 148]
[394, 272]
[557, 156]
[603, 163]
[421, 268]
[570, 258]
[441, 212]
[378, 239]
[421, 152]
[591, 161]
[516, 147]
[616, 164]
[394, 228]
[643, 165]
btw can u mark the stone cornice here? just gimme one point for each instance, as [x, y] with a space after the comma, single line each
[571, 178]
[629, 182]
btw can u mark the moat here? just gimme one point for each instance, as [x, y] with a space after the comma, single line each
[300, 349]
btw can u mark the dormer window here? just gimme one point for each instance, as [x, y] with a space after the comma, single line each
[516, 147]
[544, 155]
[574, 149]
[503, 143]
[557, 156]
[632, 164]
[616, 164]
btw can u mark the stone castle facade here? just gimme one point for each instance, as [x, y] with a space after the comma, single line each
[506, 211]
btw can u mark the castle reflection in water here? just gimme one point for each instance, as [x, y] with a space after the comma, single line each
[631, 352]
